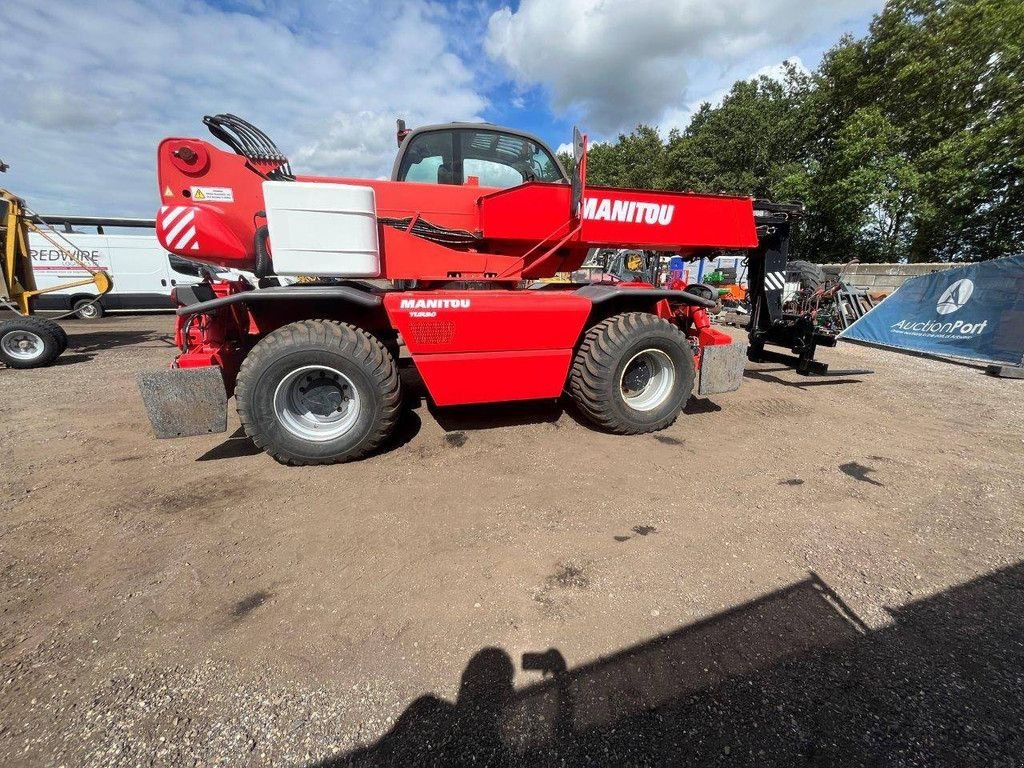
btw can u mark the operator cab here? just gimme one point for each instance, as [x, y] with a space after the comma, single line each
[474, 153]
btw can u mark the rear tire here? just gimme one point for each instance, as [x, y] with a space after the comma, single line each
[633, 373]
[810, 275]
[30, 342]
[88, 309]
[318, 392]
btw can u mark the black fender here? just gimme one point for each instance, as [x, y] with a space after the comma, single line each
[601, 294]
[193, 303]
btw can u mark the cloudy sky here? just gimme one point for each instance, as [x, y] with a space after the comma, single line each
[93, 85]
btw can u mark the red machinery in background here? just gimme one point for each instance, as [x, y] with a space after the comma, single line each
[471, 214]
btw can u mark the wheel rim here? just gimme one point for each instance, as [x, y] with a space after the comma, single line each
[87, 311]
[317, 403]
[647, 380]
[22, 345]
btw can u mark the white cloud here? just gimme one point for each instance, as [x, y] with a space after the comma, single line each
[620, 62]
[95, 87]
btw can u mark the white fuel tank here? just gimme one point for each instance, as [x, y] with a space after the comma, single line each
[328, 230]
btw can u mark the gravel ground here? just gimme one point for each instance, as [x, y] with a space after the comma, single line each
[821, 572]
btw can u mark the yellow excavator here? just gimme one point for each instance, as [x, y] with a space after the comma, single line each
[27, 341]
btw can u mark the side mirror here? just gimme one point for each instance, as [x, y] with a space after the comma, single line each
[579, 173]
[401, 131]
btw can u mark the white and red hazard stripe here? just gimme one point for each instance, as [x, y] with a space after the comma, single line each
[177, 227]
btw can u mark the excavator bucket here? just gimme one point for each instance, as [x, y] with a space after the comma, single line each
[184, 402]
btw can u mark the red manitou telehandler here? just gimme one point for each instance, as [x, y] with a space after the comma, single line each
[439, 258]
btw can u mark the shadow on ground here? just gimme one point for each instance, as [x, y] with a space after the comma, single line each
[69, 358]
[859, 472]
[238, 444]
[793, 678]
[805, 382]
[700, 405]
[94, 341]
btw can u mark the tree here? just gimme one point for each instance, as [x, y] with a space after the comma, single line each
[867, 193]
[907, 144]
[938, 86]
[568, 161]
[635, 160]
[754, 143]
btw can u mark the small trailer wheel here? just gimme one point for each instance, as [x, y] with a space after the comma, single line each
[633, 373]
[30, 342]
[62, 335]
[318, 392]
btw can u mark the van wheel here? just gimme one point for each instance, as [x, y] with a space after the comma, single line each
[88, 309]
[30, 342]
[318, 392]
[633, 373]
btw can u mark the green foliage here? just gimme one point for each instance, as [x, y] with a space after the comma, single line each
[568, 161]
[634, 160]
[905, 145]
[922, 123]
[753, 144]
[867, 194]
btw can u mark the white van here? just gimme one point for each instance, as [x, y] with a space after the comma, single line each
[143, 273]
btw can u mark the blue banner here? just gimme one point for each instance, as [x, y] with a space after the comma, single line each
[974, 312]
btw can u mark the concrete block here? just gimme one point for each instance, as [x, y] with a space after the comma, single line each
[889, 281]
[721, 368]
[182, 402]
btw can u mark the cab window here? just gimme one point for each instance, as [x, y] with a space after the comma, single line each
[493, 158]
[492, 174]
[430, 158]
[505, 160]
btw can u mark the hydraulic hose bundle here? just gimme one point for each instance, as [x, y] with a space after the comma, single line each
[453, 238]
[251, 143]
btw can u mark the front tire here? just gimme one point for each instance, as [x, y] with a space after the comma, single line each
[633, 373]
[30, 342]
[318, 392]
